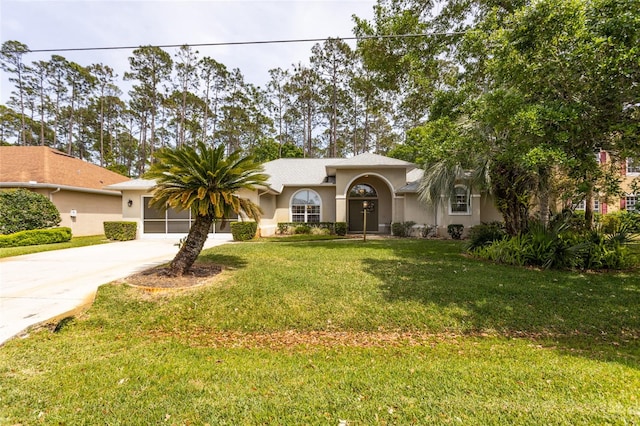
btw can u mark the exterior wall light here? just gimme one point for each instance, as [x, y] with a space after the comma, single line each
[130, 203]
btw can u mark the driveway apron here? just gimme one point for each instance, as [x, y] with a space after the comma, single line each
[41, 287]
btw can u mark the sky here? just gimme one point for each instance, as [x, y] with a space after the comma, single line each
[64, 24]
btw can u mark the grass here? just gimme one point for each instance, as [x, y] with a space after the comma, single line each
[301, 237]
[383, 332]
[74, 242]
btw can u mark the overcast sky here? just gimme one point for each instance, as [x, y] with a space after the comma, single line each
[61, 24]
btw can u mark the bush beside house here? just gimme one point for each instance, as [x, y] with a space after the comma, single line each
[120, 231]
[243, 231]
[35, 237]
[24, 210]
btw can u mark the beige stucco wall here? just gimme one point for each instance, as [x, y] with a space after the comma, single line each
[445, 218]
[133, 213]
[345, 178]
[385, 182]
[92, 210]
[386, 198]
[488, 210]
[418, 212]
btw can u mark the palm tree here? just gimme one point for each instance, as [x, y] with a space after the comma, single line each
[203, 180]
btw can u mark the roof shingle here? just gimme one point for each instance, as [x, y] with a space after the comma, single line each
[42, 164]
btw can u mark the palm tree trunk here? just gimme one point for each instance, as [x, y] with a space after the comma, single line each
[192, 247]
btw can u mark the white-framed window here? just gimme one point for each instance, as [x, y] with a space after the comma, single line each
[633, 166]
[631, 203]
[581, 206]
[460, 201]
[306, 206]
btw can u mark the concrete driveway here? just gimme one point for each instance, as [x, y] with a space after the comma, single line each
[39, 287]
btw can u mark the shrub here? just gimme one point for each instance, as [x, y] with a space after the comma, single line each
[243, 231]
[612, 222]
[320, 231]
[120, 231]
[485, 234]
[23, 210]
[35, 237]
[340, 228]
[289, 228]
[283, 228]
[560, 246]
[455, 230]
[302, 229]
[402, 229]
[426, 230]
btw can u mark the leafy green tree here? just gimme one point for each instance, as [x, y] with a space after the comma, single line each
[203, 180]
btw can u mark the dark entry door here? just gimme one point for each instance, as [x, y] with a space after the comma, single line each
[356, 216]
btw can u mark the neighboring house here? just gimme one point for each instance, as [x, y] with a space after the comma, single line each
[327, 190]
[74, 186]
[630, 198]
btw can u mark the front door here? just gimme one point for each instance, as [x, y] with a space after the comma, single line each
[356, 216]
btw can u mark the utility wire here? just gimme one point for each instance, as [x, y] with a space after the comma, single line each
[241, 43]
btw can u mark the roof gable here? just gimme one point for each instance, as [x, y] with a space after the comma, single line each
[45, 165]
[296, 172]
[314, 171]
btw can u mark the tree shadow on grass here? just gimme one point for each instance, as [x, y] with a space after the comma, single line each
[570, 311]
[228, 261]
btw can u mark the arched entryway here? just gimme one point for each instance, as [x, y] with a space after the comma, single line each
[363, 197]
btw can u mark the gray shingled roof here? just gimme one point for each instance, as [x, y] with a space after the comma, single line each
[413, 182]
[302, 172]
[132, 185]
[370, 160]
[297, 172]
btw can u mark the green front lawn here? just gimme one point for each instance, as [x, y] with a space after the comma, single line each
[74, 242]
[324, 332]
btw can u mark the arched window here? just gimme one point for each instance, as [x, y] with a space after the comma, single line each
[305, 206]
[362, 190]
[460, 200]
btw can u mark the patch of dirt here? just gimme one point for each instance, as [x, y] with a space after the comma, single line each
[158, 277]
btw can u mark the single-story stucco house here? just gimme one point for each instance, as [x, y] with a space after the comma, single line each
[76, 187]
[327, 190]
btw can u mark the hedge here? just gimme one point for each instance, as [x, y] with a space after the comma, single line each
[35, 237]
[243, 231]
[337, 228]
[120, 231]
[24, 210]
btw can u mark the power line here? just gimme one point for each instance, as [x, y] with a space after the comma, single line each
[241, 43]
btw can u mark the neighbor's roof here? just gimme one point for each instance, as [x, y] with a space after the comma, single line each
[38, 165]
[133, 185]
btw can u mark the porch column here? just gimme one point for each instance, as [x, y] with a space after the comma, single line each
[341, 208]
